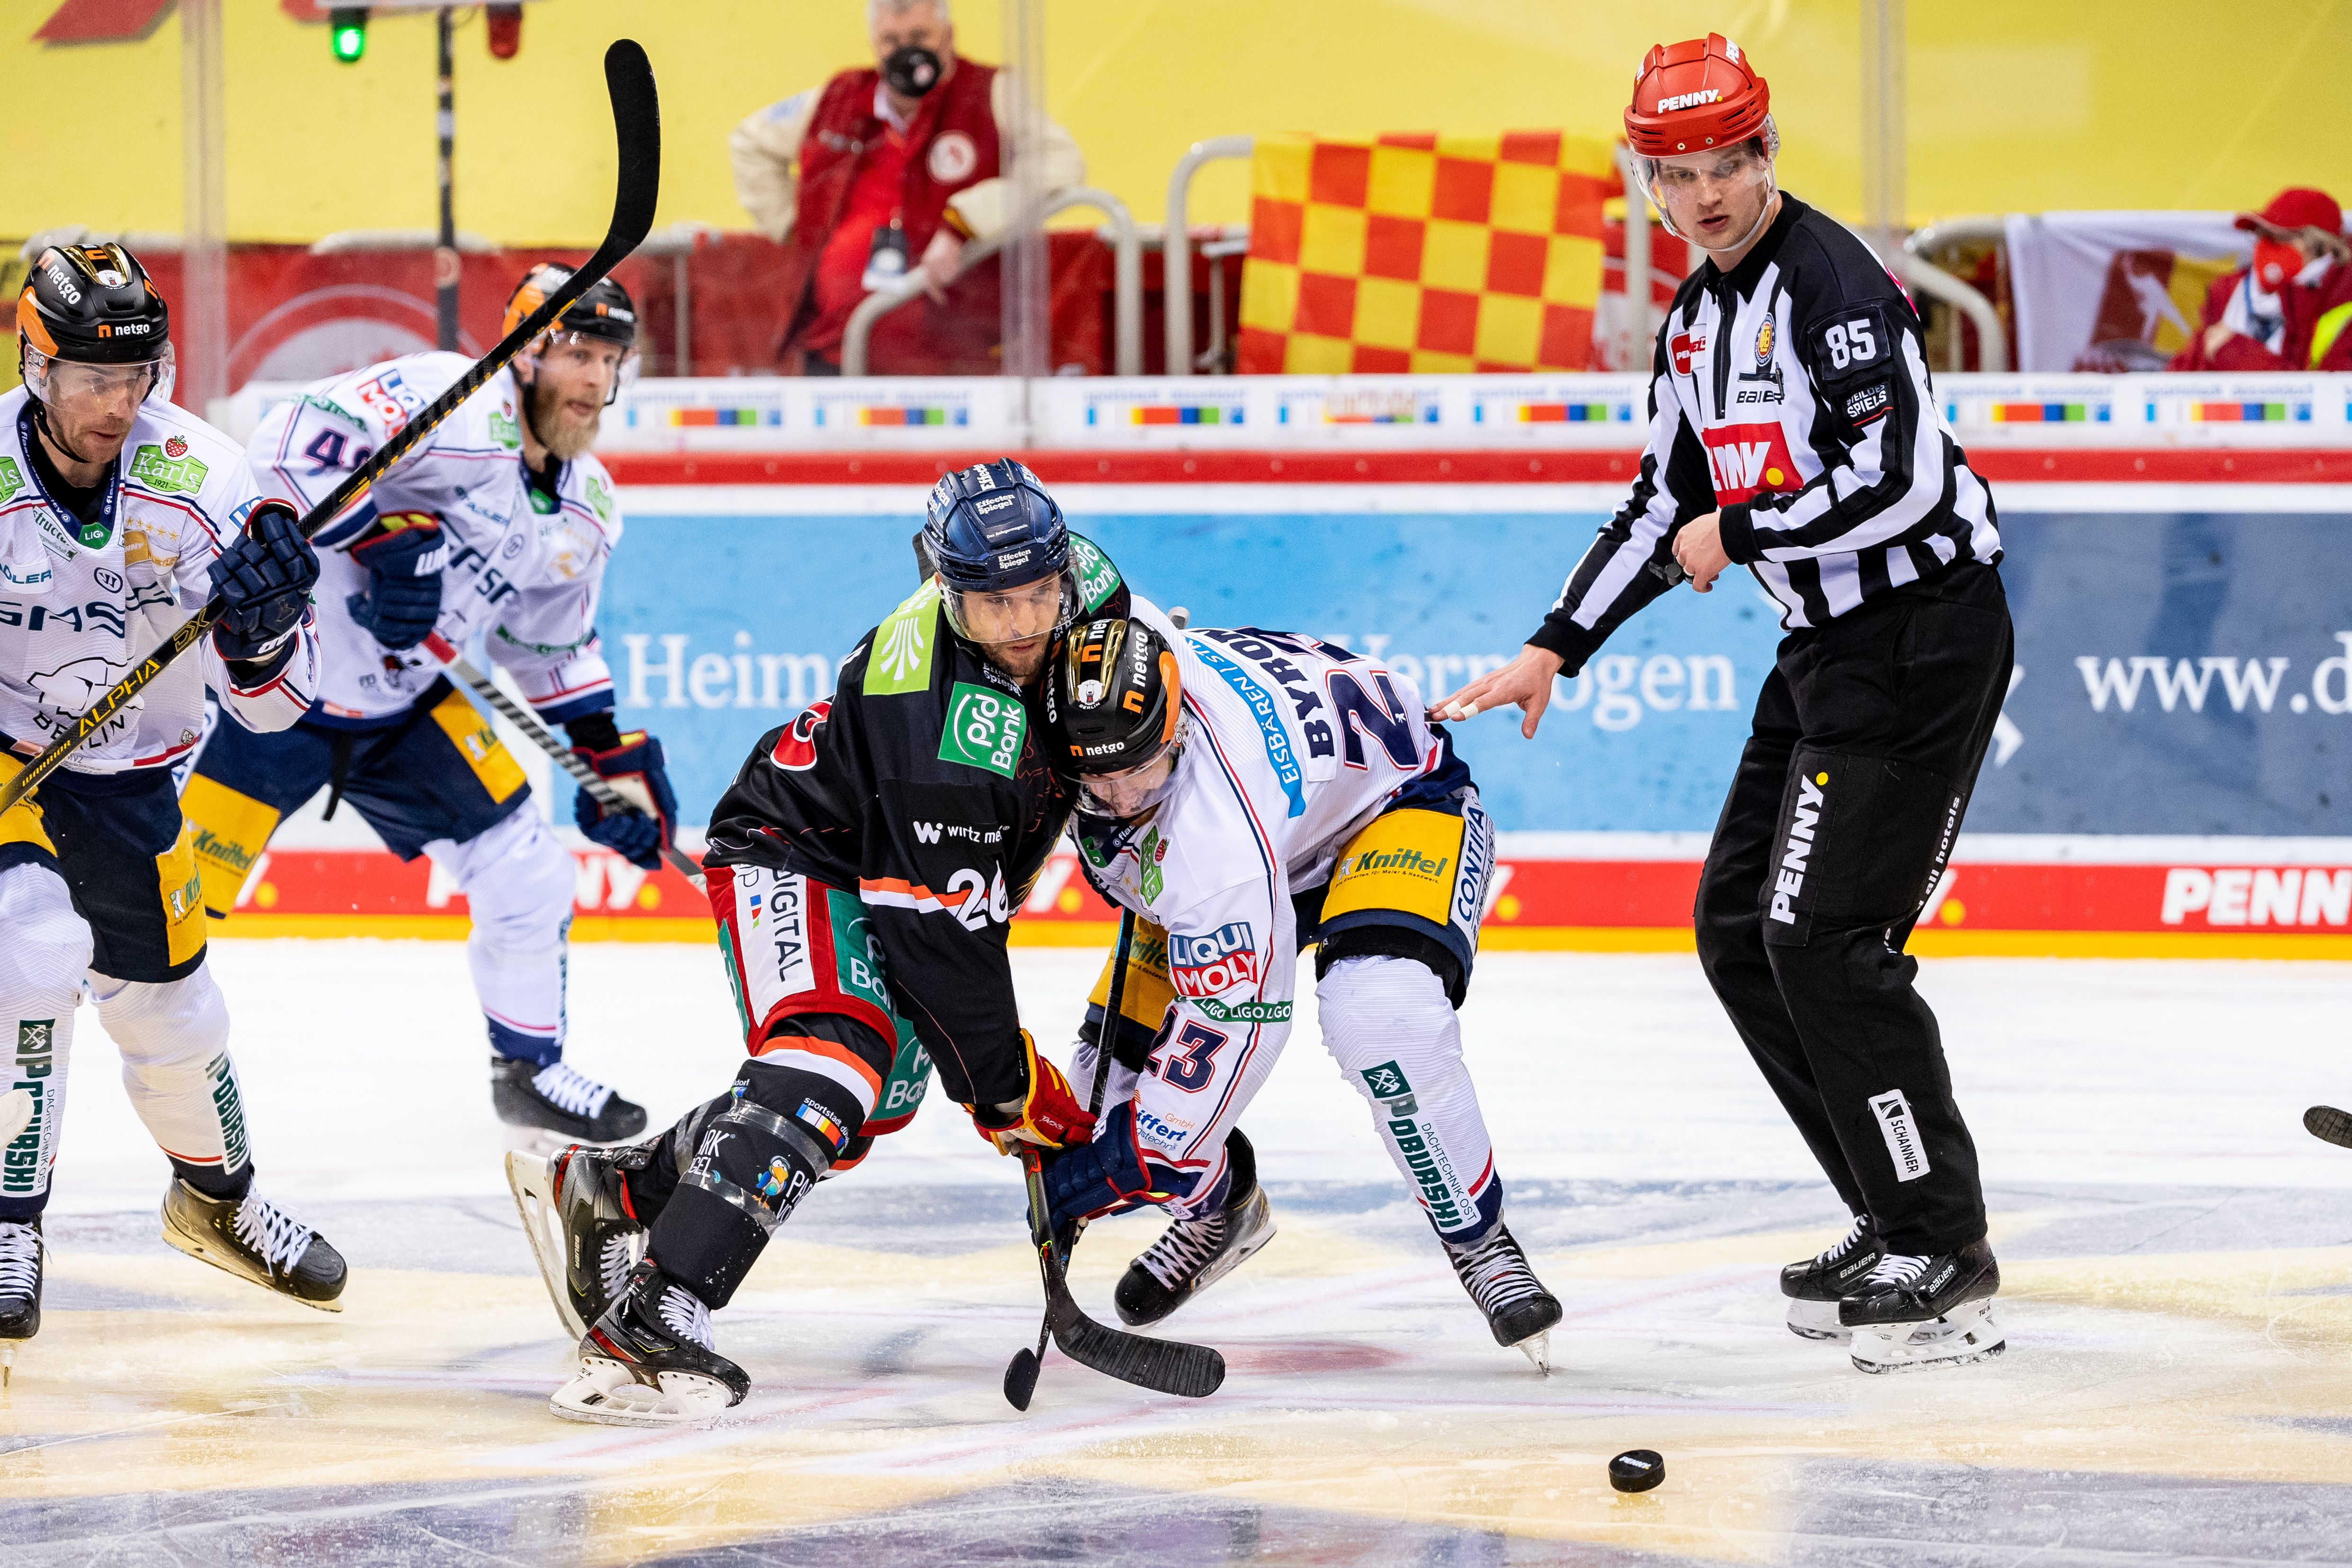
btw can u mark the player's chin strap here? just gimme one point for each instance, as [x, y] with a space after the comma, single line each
[50, 432]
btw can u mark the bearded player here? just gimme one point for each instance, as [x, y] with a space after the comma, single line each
[499, 525]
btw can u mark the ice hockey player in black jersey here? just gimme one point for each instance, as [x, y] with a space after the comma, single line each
[1793, 431]
[862, 869]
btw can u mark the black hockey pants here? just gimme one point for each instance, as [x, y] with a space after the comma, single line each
[1868, 735]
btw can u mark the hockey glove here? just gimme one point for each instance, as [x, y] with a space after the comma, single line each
[1049, 1114]
[634, 769]
[1104, 1176]
[403, 555]
[264, 578]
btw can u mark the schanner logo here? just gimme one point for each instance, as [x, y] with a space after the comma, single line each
[984, 730]
[1895, 1124]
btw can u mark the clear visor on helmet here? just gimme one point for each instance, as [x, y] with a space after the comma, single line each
[1135, 791]
[74, 383]
[568, 352]
[1691, 188]
[992, 617]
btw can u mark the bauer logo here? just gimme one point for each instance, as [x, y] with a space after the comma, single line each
[984, 730]
[1902, 1135]
[1212, 965]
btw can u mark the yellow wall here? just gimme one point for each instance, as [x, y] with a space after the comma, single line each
[2014, 105]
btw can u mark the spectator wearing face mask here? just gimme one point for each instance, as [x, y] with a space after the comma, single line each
[881, 172]
[2282, 310]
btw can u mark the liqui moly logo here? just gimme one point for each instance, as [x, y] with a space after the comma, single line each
[1212, 965]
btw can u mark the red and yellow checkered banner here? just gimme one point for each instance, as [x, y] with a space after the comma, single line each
[1424, 254]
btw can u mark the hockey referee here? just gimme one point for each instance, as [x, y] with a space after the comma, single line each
[1793, 432]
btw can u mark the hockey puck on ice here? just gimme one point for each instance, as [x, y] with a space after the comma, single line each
[1637, 1469]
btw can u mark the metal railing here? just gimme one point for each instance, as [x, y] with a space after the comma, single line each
[1636, 356]
[1915, 270]
[1127, 285]
[1177, 274]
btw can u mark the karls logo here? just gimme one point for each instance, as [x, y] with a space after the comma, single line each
[1895, 1124]
[1792, 881]
[1210, 965]
[1749, 459]
[1684, 347]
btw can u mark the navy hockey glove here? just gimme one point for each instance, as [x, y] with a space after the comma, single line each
[403, 557]
[633, 768]
[264, 578]
[1092, 1179]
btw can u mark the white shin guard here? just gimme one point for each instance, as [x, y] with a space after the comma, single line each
[519, 881]
[42, 962]
[1398, 1042]
[173, 1038]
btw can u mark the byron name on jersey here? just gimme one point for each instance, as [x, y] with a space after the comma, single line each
[524, 570]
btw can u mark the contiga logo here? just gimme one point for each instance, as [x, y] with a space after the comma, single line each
[1689, 99]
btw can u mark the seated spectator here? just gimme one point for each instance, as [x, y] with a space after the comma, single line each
[2269, 314]
[880, 166]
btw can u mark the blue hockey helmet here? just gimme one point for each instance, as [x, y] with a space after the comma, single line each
[991, 529]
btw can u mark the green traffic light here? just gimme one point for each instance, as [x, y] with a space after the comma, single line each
[346, 33]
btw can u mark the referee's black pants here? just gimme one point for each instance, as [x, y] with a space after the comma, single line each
[1867, 739]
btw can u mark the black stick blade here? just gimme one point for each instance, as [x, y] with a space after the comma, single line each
[2325, 1122]
[1163, 1365]
[636, 126]
[1020, 1378]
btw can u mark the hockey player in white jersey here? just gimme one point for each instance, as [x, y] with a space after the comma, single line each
[1248, 794]
[119, 515]
[499, 525]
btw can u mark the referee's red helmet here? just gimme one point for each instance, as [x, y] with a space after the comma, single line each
[1695, 95]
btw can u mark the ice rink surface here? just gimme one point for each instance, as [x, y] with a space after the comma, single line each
[2176, 1255]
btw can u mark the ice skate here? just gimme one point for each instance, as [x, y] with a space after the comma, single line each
[254, 1239]
[649, 1361]
[1815, 1286]
[576, 1211]
[1925, 1312]
[1518, 1309]
[20, 1290]
[559, 1105]
[1194, 1254]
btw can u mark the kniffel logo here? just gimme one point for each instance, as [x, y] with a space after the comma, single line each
[1406, 862]
[1207, 966]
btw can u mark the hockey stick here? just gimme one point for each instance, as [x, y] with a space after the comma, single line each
[636, 124]
[1021, 1373]
[1163, 1365]
[592, 783]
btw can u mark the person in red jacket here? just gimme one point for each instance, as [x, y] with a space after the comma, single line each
[2269, 314]
[880, 167]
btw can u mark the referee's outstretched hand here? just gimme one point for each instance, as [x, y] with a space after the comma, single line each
[1525, 680]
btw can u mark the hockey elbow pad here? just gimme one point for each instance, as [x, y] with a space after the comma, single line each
[404, 555]
[1102, 1177]
[1049, 1114]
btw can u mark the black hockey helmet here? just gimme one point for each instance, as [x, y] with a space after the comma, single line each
[605, 313]
[1117, 697]
[93, 305]
[992, 528]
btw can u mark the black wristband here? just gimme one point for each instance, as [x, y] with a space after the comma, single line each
[248, 673]
[596, 731]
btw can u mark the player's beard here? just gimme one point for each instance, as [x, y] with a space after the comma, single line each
[565, 434]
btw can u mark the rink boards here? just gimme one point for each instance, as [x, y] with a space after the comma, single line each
[2168, 775]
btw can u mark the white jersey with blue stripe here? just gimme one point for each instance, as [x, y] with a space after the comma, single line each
[1291, 746]
[523, 573]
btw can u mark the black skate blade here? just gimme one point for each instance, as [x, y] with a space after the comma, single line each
[1020, 1378]
[1162, 1366]
[2328, 1124]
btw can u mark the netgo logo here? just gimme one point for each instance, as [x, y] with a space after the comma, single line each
[1212, 965]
